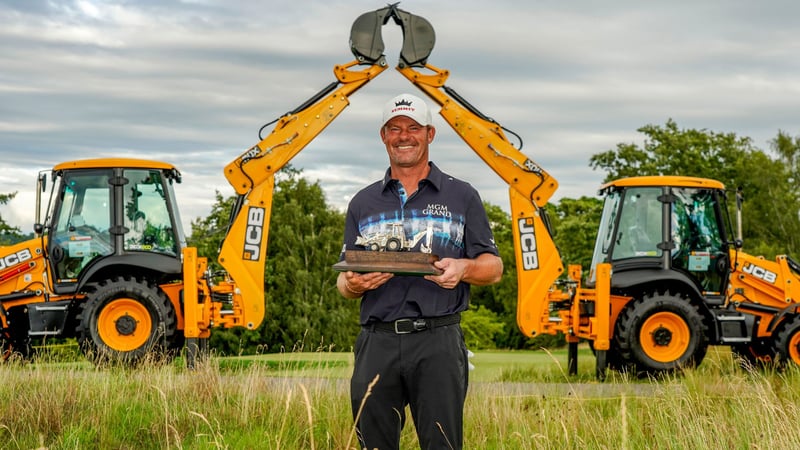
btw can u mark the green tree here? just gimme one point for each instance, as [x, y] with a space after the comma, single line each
[481, 327]
[770, 224]
[669, 150]
[788, 150]
[305, 241]
[575, 223]
[304, 309]
[208, 232]
[500, 297]
[499, 301]
[8, 234]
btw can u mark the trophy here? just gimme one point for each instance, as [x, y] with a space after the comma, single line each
[390, 251]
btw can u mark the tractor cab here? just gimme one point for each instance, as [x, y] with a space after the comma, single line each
[109, 212]
[650, 225]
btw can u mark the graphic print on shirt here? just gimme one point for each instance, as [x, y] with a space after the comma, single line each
[433, 227]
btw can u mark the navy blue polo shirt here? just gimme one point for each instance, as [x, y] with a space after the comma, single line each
[451, 208]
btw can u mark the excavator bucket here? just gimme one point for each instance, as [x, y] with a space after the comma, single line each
[366, 40]
[418, 38]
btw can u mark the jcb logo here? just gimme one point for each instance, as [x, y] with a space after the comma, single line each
[527, 244]
[253, 234]
[760, 272]
[15, 258]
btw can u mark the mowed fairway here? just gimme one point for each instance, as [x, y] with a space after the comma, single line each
[517, 400]
[489, 365]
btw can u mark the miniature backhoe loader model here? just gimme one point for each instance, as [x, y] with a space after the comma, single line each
[395, 240]
[111, 268]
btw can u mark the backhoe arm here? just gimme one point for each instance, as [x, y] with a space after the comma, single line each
[296, 129]
[299, 127]
[243, 251]
[252, 176]
[530, 187]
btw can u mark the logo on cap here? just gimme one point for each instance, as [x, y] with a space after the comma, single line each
[409, 106]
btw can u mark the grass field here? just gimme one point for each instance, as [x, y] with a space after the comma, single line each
[517, 400]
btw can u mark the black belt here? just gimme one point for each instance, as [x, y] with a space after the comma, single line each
[405, 326]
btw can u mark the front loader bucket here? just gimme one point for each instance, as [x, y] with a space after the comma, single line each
[366, 40]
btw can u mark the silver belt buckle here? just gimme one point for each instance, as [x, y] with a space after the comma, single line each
[403, 321]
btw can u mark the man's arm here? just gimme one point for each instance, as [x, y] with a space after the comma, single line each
[483, 270]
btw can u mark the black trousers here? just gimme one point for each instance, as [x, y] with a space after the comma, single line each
[426, 370]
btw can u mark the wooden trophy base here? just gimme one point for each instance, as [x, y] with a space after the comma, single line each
[401, 263]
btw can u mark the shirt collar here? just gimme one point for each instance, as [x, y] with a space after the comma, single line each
[435, 177]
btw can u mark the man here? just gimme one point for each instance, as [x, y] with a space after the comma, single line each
[411, 339]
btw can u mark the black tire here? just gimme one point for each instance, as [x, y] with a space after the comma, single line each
[601, 364]
[15, 349]
[661, 333]
[197, 352]
[787, 342]
[14, 341]
[177, 344]
[757, 354]
[124, 320]
[614, 359]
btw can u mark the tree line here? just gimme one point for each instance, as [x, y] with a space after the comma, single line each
[306, 312]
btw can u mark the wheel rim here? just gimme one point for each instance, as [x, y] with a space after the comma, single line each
[794, 347]
[124, 324]
[665, 337]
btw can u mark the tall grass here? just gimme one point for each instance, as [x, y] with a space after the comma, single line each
[301, 401]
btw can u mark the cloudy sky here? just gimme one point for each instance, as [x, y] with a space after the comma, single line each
[191, 82]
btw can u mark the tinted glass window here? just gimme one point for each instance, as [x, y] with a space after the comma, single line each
[146, 214]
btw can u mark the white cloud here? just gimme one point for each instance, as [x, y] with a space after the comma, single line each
[190, 82]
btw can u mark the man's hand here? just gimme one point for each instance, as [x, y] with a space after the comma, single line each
[480, 271]
[452, 272]
[353, 285]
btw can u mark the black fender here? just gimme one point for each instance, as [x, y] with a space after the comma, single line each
[634, 282]
[789, 311]
[153, 266]
[627, 280]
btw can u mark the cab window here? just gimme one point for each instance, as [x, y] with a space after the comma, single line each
[147, 219]
[81, 231]
[639, 230]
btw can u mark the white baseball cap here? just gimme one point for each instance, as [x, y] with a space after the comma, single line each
[407, 105]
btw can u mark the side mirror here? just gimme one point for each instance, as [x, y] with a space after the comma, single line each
[41, 185]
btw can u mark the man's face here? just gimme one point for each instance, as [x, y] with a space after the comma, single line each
[407, 141]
